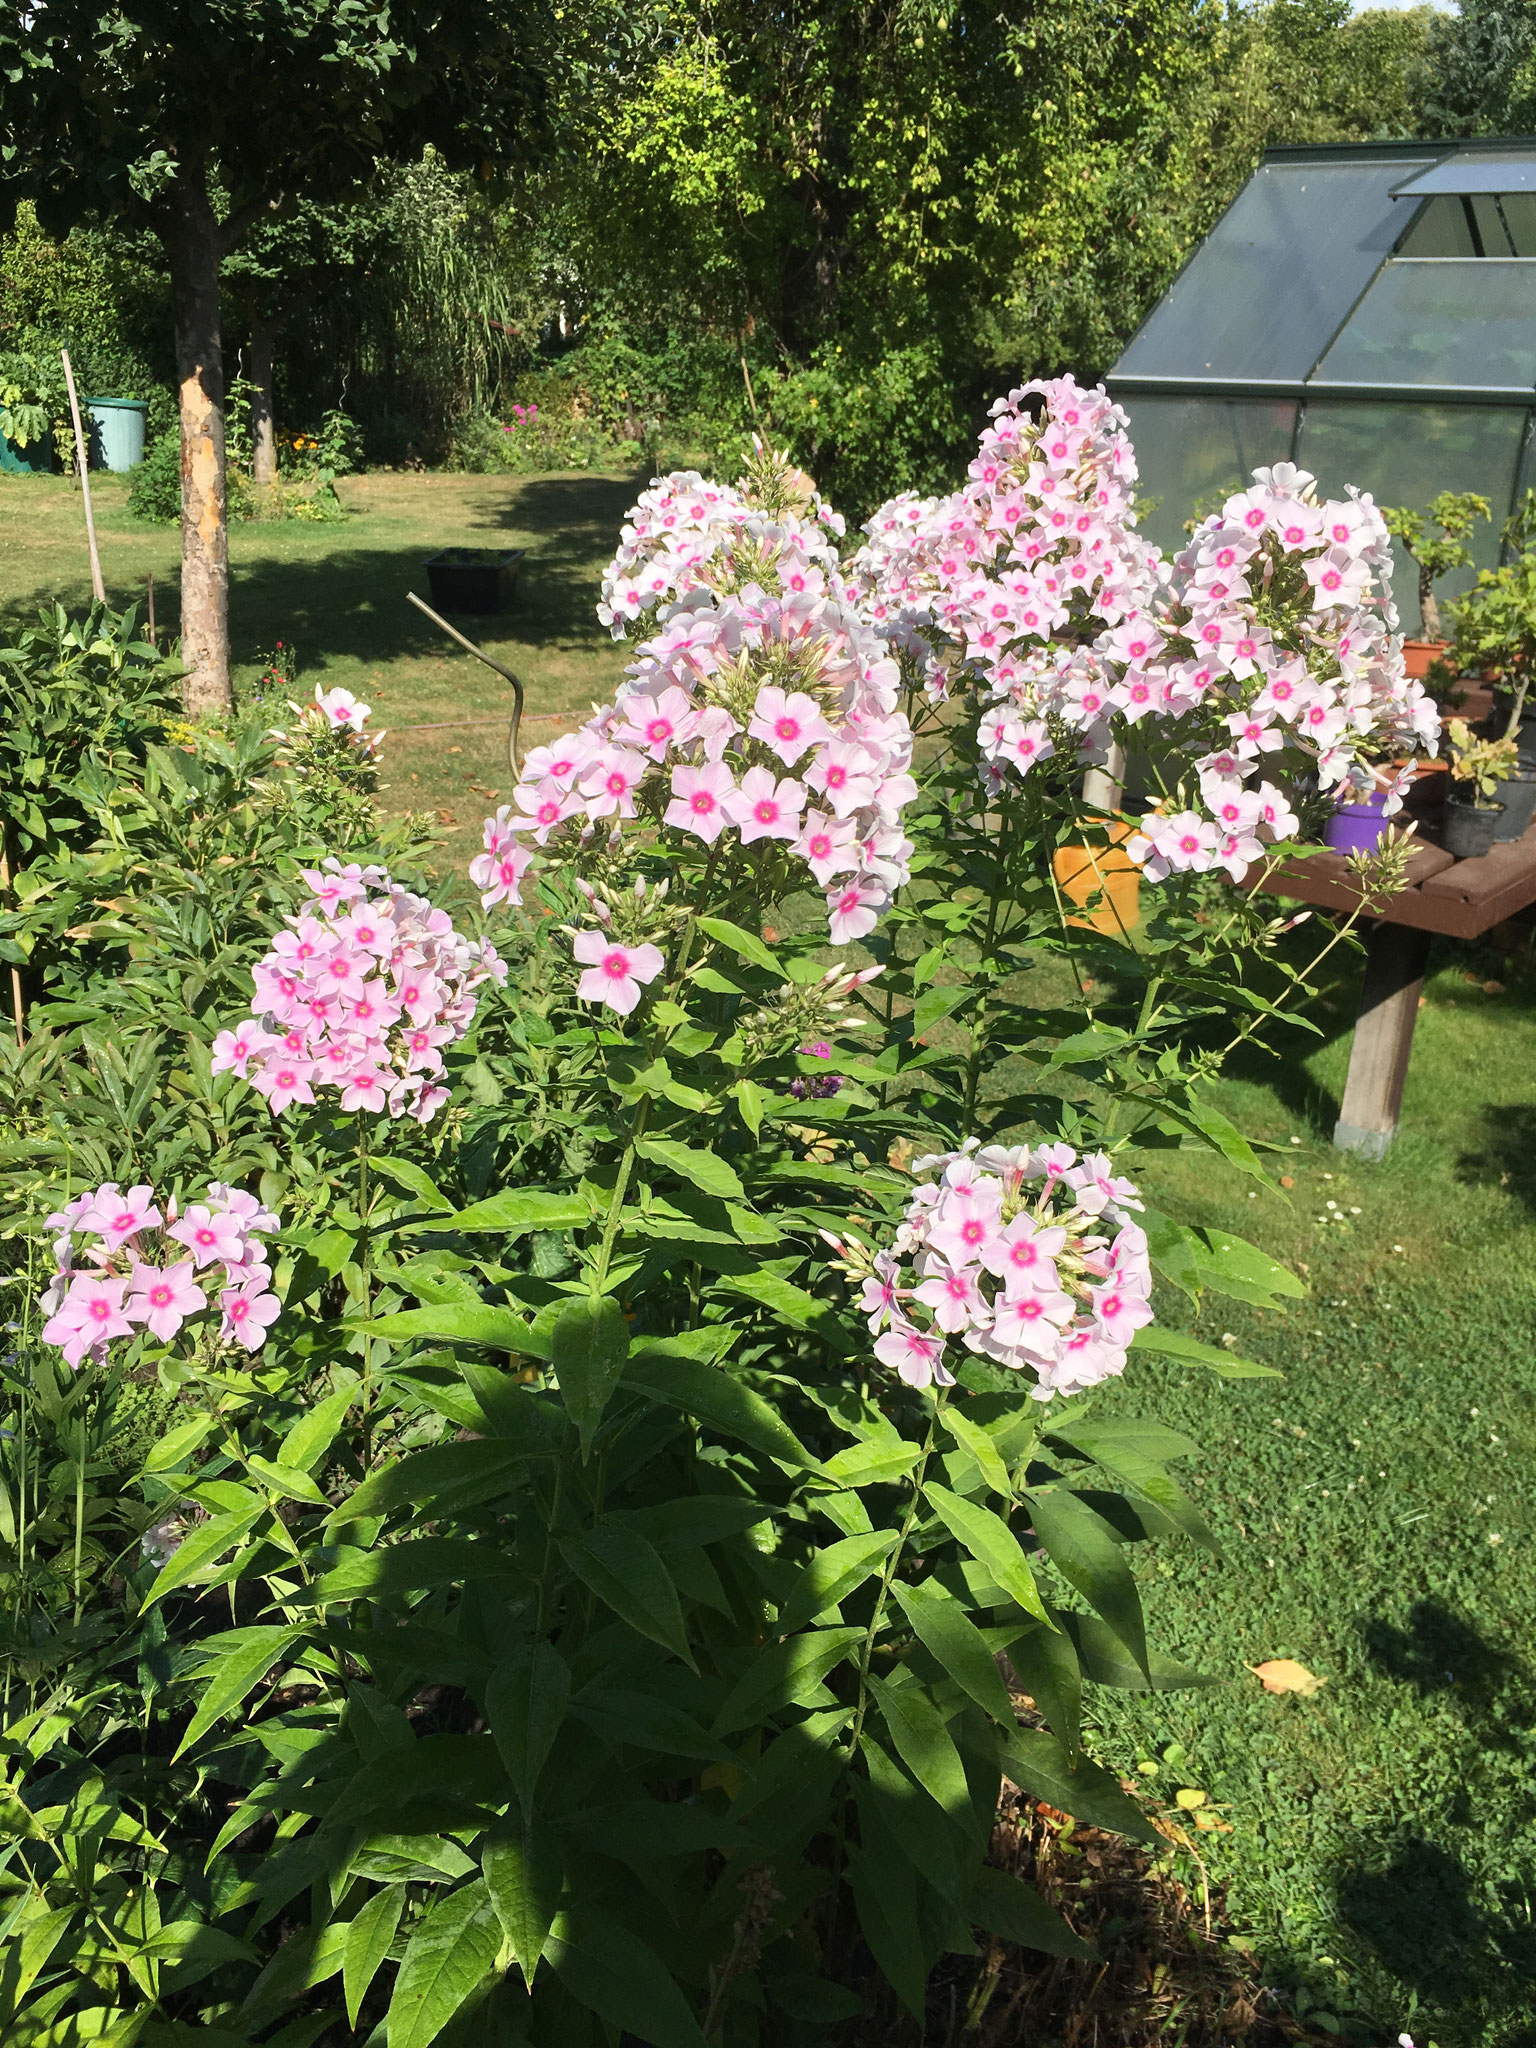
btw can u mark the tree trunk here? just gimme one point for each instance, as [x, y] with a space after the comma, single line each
[1429, 611]
[263, 431]
[192, 243]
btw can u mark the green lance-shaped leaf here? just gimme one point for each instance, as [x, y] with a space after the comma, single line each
[613, 1973]
[1046, 1662]
[922, 1740]
[1084, 1548]
[525, 1703]
[975, 1441]
[1135, 1452]
[991, 1542]
[698, 1169]
[456, 1322]
[200, 1550]
[744, 944]
[589, 1346]
[627, 1574]
[312, 1435]
[406, 1174]
[1038, 1764]
[948, 1635]
[517, 1211]
[368, 1941]
[831, 1575]
[885, 1897]
[786, 1675]
[239, 1668]
[455, 1472]
[1190, 1351]
[716, 1398]
[1014, 1911]
[448, 1957]
[524, 1873]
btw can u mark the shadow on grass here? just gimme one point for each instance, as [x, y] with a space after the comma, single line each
[349, 602]
[1467, 1950]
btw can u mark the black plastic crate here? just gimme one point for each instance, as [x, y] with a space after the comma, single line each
[473, 579]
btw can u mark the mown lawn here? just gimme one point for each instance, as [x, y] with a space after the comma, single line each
[337, 593]
[1377, 1504]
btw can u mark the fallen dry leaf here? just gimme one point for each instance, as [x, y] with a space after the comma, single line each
[1286, 1181]
[1284, 1674]
[1493, 988]
[446, 818]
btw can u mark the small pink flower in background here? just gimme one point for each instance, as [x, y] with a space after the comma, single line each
[119, 1217]
[788, 722]
[162, 1301]
[854, 911]
[91, 1315]
[207, 1236]
[614, 974]
[912, 1356]
[699, 799]
[341, 708]
[248, 1314]
[765, 809]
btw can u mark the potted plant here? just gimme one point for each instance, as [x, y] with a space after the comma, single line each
[32, 404]
[1496, 630]
[1474, 810]
[1454, 513]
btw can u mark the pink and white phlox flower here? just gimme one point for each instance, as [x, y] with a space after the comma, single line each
[615, 974]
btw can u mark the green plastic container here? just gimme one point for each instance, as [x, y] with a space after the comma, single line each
[117, 431]
[37, 456]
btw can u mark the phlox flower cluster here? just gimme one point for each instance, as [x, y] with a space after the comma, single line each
[769, 714]
[124, 1265]
[361, 993]
[1026, 1255]
[1278, 643]
[1266, 653]
[1039, 547]
[687, 532]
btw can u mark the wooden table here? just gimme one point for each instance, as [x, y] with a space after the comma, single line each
[1460, 899]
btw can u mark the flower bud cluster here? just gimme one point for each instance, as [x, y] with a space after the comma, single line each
[336, 713]
[770, 715]
[360, 994]
[1025, 1255]
[688, 533]
[130, 1278]
[805, 1011]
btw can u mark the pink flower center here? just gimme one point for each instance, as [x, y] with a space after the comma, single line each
[616, 965]
[658, 731]
[766, 812]
[617, 783]
[159, 1297]
[205, 1236]
[100, 1310]
[786, 728]
[956, 1287]
[701, 803]
[239, 1309]
[973, 1230]
[821, 847]
[125, 1220]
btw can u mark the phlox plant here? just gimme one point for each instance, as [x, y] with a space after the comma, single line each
[661, 1517]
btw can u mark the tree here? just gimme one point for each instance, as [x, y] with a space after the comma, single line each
[1479, 72]
[197, 118]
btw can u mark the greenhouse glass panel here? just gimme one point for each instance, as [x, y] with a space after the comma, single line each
[1498, 170]
[1407, 454]
[1467, 325]
[1441, 228]
[1519, 211]
[1265, 294]
[1196, 451]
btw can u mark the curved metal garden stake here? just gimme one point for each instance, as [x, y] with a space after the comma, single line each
[480, 655]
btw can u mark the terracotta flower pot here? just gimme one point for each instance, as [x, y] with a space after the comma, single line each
[1418, 654]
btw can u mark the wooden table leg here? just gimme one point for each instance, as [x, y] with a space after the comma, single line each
[1395, 959]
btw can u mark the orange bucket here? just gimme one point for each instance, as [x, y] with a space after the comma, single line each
[1083, 872]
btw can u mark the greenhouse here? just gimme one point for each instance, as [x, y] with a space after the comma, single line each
[1366, 310]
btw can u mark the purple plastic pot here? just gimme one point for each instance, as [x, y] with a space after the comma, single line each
[1357, 828]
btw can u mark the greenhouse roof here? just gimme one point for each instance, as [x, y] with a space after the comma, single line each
[1367, 270]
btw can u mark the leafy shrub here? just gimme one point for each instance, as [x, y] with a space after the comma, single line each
[482, 444]
[154, 489]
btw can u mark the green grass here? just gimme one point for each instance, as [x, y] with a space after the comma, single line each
[337, 593]
[1377, 1504]
[1377, 1507]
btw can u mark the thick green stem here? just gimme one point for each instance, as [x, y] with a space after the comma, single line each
[79, 1503]
[365, 1268]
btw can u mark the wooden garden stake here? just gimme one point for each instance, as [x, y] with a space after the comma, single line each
[149, 623]
[98, 588]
